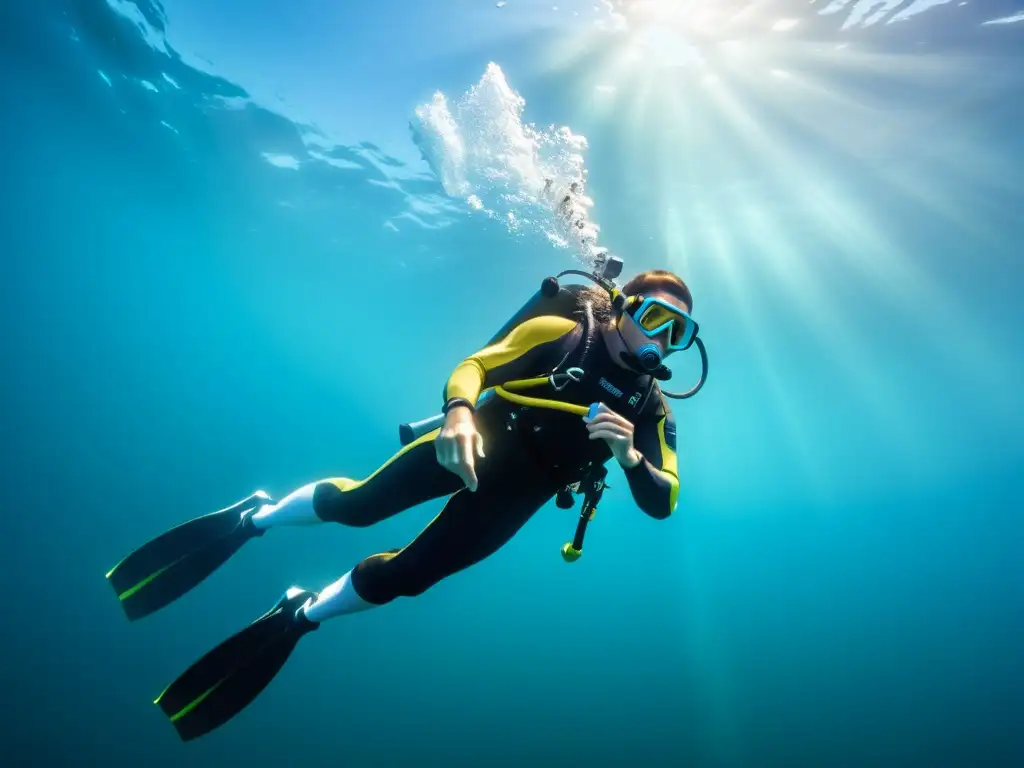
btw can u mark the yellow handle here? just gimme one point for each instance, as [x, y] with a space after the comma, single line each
[570, 554]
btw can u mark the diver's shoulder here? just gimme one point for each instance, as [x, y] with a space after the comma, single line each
[546, 326]
[552, 321]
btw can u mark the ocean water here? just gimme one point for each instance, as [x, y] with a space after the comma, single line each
[208, 209]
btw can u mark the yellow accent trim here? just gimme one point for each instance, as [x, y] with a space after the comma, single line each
[344, 484]
[192, 705]
[670, 467]
[149, 579]
[129, 592]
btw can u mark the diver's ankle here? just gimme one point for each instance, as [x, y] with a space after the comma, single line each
[338, 599]
[295, 509]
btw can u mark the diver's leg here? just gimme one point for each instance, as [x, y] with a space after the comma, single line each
[471, 527]
[410, 477]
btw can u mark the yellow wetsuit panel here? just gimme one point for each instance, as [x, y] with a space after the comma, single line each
[510, 358]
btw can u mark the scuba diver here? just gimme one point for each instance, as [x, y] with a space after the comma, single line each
[568, 384]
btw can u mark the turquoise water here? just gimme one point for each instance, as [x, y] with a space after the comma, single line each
[208, 205]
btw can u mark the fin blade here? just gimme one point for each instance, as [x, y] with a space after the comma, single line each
[228, 678]
[167, 548]
[236, 692]
[179, 578]
[164, 569]
[219, 663]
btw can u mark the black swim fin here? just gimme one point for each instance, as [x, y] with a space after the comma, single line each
[160, 572]
[226, 680]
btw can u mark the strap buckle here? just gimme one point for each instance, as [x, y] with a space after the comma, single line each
[560, 381]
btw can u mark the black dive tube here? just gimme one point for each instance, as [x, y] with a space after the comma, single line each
[703, 374]
[592, 487]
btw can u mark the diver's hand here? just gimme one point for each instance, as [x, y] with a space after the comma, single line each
[617, 432]
[459, 445]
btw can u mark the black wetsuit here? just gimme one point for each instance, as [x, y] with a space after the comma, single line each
[531, 454]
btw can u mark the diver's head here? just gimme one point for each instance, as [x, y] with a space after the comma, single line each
[655, 318]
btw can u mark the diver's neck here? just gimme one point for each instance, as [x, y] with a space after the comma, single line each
[616, 346]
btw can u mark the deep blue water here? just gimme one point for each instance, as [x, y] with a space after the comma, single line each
[184, 321]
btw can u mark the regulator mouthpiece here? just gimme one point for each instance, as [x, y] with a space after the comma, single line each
[649, 357]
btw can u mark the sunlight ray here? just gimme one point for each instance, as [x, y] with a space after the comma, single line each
[706, 230]
[721, 249]
[888, 262]
[757, 95]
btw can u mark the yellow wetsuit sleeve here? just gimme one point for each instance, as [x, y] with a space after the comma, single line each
[654, 482]
[530, 349]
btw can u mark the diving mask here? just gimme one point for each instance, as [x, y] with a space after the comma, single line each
[654, 316]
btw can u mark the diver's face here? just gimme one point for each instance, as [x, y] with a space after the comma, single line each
[636, 338]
